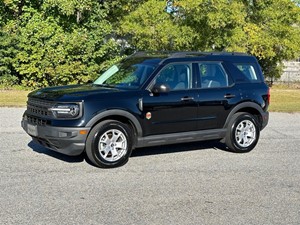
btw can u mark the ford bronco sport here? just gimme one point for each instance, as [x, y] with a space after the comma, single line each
[153, 99]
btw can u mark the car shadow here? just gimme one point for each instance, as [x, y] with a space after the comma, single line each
[175, 148]
[140, 152]
[42, 150]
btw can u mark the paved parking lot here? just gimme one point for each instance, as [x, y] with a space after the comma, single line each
[197, 183]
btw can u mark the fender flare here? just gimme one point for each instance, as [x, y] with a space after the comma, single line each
[117, 112]
[241, 106]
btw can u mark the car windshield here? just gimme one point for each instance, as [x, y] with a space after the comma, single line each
[129, 74]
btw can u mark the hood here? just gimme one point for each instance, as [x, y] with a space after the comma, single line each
[70, 92]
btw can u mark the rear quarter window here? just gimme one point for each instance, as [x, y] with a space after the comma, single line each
[249, 71]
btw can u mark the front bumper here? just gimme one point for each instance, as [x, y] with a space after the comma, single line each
[66, 140]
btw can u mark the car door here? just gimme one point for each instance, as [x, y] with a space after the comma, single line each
[175, 110]
[216, 96]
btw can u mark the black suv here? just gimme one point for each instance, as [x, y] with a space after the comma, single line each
[153, 99]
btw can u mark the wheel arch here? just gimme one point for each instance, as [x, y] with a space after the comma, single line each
[247, 107]
[121, 116]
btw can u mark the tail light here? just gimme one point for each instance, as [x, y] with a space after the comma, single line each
[266, 99]
[266, 102]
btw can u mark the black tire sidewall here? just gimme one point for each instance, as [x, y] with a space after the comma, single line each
[97, 132]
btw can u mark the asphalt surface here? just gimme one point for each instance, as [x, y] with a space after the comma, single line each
[199, 183]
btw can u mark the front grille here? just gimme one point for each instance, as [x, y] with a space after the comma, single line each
[36, 121]
[39, 107]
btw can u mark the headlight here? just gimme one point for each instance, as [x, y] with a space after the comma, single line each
[67, 110]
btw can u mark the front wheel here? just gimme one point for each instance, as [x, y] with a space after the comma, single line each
[109, 144]
[242, 133]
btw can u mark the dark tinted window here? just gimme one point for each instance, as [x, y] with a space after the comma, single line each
[212, 75]
[176, 76]
[249, 71]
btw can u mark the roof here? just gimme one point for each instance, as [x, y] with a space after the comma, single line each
[162, 57]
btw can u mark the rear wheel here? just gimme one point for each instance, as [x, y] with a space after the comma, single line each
[109, 144]
[242, 133]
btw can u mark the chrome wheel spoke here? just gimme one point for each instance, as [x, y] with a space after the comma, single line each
[104, 139]
[115, 135]
[240, 136]
[114, 153]
[245, 133]
[245, 140]
[106, 152]
[112, 145]
[120, 144]
[250, 135]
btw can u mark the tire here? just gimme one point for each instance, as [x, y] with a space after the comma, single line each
[109, 144]
[242, 133]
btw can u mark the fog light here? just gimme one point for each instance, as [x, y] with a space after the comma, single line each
[62, 134]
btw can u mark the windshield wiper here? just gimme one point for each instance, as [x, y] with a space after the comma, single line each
[105, 85]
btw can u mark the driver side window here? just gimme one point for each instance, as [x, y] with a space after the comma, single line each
[176, 76]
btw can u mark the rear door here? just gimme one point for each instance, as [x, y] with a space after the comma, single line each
[216, 95]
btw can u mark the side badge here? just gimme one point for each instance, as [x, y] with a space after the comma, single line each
[148, 115]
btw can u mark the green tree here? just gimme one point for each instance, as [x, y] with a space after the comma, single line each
[8, 42]
[52, 53]
[55, 42]
[155, 29]
[268, 29]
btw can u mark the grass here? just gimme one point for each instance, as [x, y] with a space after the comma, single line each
[13, 98]
[283, 98]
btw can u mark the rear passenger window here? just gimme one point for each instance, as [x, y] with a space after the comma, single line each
[249, 71]
[213, 75]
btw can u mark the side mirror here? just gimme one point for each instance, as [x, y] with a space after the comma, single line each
[161, 88]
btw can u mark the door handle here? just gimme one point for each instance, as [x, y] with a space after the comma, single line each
[187, 99]
[229, 96]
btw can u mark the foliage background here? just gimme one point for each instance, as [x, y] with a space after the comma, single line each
[57, 42]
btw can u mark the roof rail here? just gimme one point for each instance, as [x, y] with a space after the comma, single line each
[176, 54]
[152, 53]
[193, 54]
